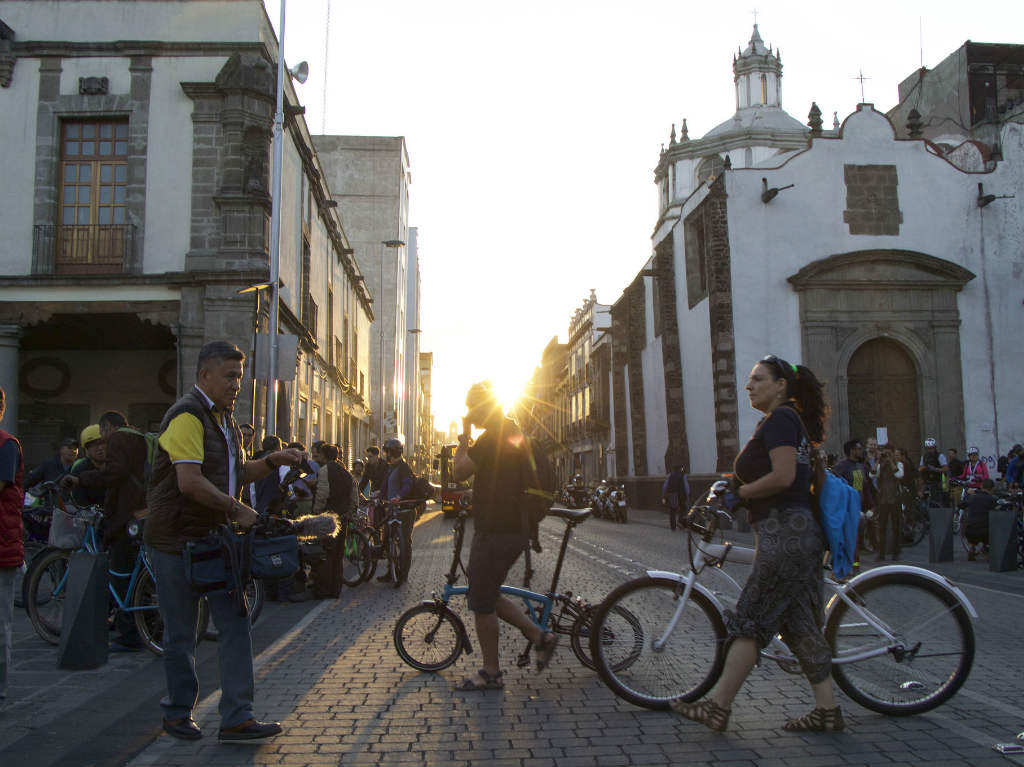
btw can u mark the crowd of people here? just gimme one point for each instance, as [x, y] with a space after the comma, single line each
[205, 471]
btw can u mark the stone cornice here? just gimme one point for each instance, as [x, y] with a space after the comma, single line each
[822, 273]
[67, 49]
[700, 148]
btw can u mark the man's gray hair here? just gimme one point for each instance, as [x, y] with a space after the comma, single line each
[216, 352]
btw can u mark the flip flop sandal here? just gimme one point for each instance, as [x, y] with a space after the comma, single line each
[491, 682]
[545, 651]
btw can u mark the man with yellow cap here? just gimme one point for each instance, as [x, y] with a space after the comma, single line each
[94, 458]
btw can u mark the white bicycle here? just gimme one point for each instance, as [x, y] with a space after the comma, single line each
[902, 637]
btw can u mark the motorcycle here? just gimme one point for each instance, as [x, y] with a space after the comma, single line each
[619, 507]
[574, 494]
[599, 501]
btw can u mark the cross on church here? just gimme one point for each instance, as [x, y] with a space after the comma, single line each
[755, 16]
[862, 78]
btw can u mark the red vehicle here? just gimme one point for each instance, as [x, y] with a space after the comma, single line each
[452, 492]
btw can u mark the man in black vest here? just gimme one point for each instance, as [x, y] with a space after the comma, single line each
[197, 477]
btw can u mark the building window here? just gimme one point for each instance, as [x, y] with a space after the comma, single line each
[93, 234]
[709, 169]
[696, 258]
[302, 421]
[764, 89]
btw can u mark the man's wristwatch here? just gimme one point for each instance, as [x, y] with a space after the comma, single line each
[271, 464]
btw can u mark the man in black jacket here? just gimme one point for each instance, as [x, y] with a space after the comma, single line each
[977, 504]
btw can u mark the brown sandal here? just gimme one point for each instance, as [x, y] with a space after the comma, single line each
[819, 720]
[491, 682]
[705, 712]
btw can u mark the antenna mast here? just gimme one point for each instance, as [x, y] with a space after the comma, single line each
[327, 50]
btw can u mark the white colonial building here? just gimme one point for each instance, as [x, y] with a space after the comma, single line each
[890, 266]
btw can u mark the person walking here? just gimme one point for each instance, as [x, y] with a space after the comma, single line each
[785, 591]
[12, 548]
[675, 494]
[497, 463]
[199, 470]
[887, 475]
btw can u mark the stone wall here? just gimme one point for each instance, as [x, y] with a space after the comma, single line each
[636, 337]
[678, 450]
[723, 356]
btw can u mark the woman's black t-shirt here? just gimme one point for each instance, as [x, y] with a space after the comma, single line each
[780, 428]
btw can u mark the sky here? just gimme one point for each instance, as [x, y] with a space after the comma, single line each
[534, 127]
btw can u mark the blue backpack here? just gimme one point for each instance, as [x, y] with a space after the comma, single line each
[839, 512]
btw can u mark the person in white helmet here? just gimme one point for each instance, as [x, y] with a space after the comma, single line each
[934, 471]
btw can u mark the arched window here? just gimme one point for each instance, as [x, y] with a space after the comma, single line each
[709, 169]
[764, 89]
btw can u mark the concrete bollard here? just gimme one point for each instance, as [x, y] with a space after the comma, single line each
[940, 535]
[1002, 540]
[83, 631]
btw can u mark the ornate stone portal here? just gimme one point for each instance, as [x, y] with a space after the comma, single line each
[908, 298]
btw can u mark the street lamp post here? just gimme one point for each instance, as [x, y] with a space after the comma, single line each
[257, 289]
[384, 245]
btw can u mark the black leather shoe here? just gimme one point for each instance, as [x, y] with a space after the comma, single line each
[183, 729]
[251, 731]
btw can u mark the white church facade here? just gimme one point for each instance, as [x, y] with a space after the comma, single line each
[891, 267]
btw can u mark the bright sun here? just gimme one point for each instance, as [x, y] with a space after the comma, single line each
[509, 391]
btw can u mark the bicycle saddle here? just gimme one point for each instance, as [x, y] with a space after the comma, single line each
[574, 516]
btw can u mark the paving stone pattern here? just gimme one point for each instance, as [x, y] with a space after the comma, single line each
[344, 696]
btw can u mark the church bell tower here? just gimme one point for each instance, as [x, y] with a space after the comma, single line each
[758, 75]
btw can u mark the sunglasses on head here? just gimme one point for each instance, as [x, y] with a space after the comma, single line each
[785, 368]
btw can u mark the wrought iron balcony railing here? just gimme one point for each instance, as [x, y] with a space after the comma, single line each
[85, 249]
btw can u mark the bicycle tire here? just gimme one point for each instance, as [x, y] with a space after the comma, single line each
[428, 637]
[32, 548]
[355, 553]
[579, 635]
[148, 622]
[916, 525]
[44, 590]
[396, 547]
[934, 628]
[630, 665]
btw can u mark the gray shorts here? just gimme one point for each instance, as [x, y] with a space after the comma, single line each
[491, 556]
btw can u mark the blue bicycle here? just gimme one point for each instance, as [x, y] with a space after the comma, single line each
[45, 583]
[431, 636]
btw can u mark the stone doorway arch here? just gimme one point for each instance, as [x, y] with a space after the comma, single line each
[850, 299]
[882, 390]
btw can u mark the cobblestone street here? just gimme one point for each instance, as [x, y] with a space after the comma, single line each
[344, 696]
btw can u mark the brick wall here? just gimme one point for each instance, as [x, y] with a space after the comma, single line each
[678, 450]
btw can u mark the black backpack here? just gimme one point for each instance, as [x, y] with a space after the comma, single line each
[539, 487]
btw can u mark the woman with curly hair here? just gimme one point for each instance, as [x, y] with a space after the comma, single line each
[785, 592]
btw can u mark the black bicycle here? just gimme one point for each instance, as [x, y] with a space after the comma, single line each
[431, 636]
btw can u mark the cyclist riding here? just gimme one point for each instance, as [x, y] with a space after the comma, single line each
[397, 486]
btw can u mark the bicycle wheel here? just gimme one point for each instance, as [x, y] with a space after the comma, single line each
[31, 549]
[428, 637]
[396, 547]
[643, 664]
[255, 596]
[355, 557]
[148, 621]
[579, 636]
[915, 525]
[44, 588]
[929, 660]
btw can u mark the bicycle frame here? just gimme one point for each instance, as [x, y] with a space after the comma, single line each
[90, 545]
[717, 554]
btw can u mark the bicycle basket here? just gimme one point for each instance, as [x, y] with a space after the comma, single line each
[67, 527]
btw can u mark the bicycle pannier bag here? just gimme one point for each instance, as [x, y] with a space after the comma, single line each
[276, 557]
